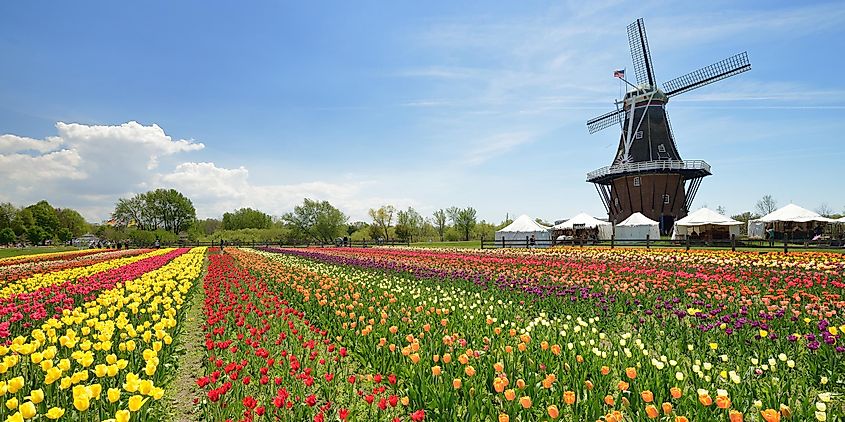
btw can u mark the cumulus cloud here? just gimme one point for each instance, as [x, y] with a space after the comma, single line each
[88, 167]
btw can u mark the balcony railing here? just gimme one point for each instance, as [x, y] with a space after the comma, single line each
[646, 166]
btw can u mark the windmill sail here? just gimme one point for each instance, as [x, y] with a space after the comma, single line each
[726, 68]
[640, 53]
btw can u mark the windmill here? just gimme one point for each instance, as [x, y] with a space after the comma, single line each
[647, 174]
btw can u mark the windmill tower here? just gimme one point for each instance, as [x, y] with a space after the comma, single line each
[647, 174]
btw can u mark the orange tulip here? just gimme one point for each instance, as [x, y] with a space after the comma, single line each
[648, 396]
[605, 370]
[667, 408]
[705, 399]
[504, 418]
[770, 415]
[553, 411]
[651, 411]
[569, 397]
[435, 370]
[723, 402]
[525, 402]
[676, 392]
[608, 399]
[735, 416]
[588, 385]
[456, 383]
[631, 372]
[622, 386]
[510, 394]
[681, 419]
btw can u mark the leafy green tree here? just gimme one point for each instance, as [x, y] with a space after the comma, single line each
[8, 212]
[165, 209]
[464, 220]
[73, 221]
[440, 222]
[45, 217]
[408, 224]
[23, 221]
[317, 220]
[64, 234]
[744, 217]
[7, 236]
[246, 218]
[36, 235]
[383, 219]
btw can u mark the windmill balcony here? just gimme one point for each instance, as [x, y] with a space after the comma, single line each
[693, 168]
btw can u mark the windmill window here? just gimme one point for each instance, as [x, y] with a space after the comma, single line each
[638, 135]
[637, 181]
[666, 198]
[661, 148]
[616, 201]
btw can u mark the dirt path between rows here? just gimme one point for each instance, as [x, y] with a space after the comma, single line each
[182, 390]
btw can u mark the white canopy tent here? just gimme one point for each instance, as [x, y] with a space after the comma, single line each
[795, 214]
[584, 220]
[793, 220]
[524, 227]
[705, 220]
[637, 227]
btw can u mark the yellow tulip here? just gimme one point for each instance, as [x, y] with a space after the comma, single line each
[28, 410]
[135, 402]
[16, 417]
[12, 403]
[37, 396]
[121, 416]
[81, 403]
[55, 413]
[113, 395]
[15, 384]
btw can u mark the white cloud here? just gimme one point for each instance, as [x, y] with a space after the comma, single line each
[495, 146]
[88, 167]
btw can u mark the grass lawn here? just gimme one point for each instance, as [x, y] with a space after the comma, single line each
[7, 252]
[471, 244]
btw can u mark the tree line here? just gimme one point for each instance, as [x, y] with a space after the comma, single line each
[169, 216]
[39, 224]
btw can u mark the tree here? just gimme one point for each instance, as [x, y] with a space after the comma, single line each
[317, 220]
[383, 218]
[73, 221]
[7, 236]
[540, 221]
[720, 209]
[440, 222]
[159, 209]
[464, 220]
[7, 214]
[765, 205]
[744, 217]
[36, 235]
[64, 234]
[408, 223]
[355, 227]
[246, 218]
[23, 221]
[208, 226]
[824, 210]
[45, 217]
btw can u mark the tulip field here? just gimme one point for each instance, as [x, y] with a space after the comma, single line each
[403, 334]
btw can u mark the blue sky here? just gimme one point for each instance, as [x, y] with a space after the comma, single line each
[427, 104]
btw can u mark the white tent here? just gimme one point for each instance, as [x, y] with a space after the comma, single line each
[841, 220]
[584, 220]
[793, 213]
[699, 221]
[637, 227]
[524, 227]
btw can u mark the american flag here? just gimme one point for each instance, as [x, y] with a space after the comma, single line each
[619, 73]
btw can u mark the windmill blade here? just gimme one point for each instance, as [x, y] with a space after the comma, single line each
[640, 53]
[605, 120]
[707, 75]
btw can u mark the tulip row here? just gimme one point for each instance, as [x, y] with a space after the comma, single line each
[102, 359]
[267, 361]
[41, 280]
[49, 256]
[11, 273]
[462, 343]
[20, 312]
